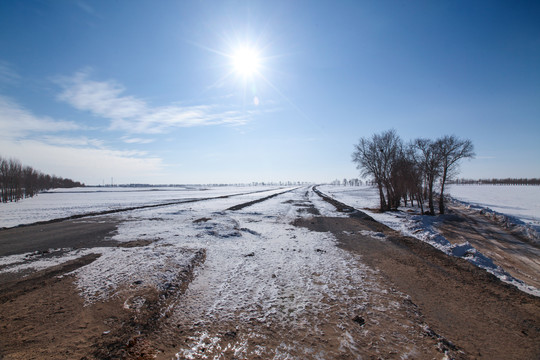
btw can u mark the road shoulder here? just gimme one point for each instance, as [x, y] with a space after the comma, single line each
[462, 303]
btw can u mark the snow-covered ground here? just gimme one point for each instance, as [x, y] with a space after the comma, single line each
[422, 227]
[517, 202]
[62, 203]
[258, 268]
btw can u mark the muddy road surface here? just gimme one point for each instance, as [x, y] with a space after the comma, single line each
[263, 276]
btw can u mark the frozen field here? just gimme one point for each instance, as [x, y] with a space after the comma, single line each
[62, 203]
[242, 274]
[520, 202]
[259, 269]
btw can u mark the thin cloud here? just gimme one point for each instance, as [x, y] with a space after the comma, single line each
[85, 7]
[15, 121]
[53, 146]
[84, 164]
[107, 99]
[128, 140]
[79, 141]
[7, 74]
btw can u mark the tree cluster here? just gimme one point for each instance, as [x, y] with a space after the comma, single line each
[347, 182]
[410, 172]
[507, 181]
[18, 181]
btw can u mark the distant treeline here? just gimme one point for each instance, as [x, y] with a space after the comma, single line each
[507, 181]
[18, 181]
[255, 183]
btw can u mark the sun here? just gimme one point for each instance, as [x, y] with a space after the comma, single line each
[246, 61]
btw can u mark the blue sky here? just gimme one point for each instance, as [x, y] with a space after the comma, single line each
[146, 92]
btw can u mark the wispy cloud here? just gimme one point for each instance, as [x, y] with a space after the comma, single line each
[15, 121]
[78, 141]
[107, 99]
[7, 74]
[85, 7]
[129, 140]
[57, 147]
[86, 164]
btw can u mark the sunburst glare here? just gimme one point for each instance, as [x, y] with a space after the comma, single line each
[246, 61]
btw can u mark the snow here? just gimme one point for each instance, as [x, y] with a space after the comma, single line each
[117, 267]
[233, 240]
[258, 267]
[521, 202]
[366, 198]
[39, 260]
[63, 203]
[157, 265]
[510, 206]
[261, 268]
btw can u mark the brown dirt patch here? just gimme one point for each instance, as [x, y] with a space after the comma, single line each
[43, 317]
[472, 309]
[75, 234]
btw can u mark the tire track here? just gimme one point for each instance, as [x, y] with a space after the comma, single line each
[131, 208]
[341, 207]
[253, 202]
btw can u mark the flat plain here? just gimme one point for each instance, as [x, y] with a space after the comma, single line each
[243, 273]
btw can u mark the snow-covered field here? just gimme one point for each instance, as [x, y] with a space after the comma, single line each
[258, 268]
[521, 204]
[518, 204]
[62, 203]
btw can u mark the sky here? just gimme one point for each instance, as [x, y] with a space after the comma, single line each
[155, 91]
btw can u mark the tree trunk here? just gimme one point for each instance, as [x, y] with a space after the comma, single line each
[441, 197]
[430, 198]
[381, 196]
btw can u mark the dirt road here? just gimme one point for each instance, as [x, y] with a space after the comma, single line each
[286, 278]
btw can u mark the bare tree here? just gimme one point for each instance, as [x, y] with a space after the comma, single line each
[451, 150]
[367, 159]
[4, 172]
[407, 177]
[18, 181]
[410, 172]
[429, 162]
[376, 157]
